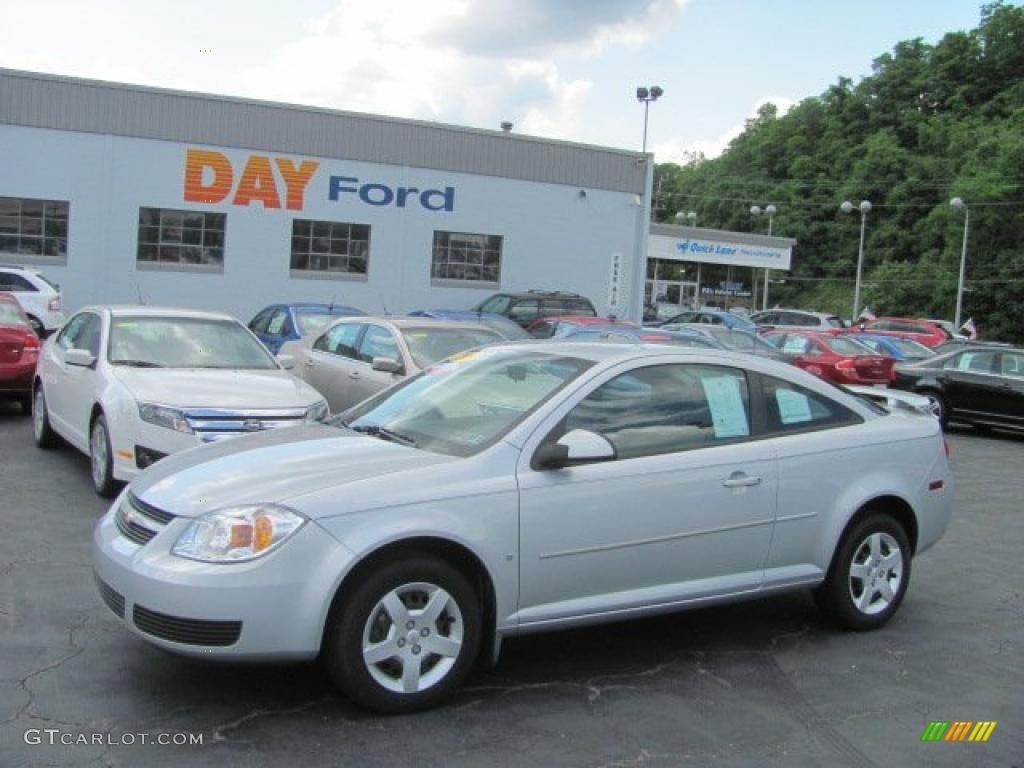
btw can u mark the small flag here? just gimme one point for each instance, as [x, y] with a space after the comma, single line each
[970, 329]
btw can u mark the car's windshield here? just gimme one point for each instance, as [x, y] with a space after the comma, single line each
[742, 341]
[428, 345]
[9, 315]
[185, 342]
[911, 348]
[468, 402]
[847, 346]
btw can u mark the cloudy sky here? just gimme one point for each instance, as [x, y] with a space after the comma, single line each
[565, 69]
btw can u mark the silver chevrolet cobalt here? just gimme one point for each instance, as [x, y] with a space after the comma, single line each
[523, 488]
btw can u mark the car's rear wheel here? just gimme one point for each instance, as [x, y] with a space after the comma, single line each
[101, 461]
[404, 636]
[43, 433]
[869, 574]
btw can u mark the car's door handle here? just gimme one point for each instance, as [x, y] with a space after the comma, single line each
[740, 480]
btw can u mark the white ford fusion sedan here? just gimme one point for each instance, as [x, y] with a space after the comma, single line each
[130, 385]
[522, 488]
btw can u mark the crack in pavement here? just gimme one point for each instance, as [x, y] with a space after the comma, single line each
[218, 731]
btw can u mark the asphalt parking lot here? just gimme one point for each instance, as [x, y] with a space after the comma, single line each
[754, 684]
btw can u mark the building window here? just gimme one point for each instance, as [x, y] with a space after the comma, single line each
[34, 230]
[330, 248]
[190, 239]
[467, 257]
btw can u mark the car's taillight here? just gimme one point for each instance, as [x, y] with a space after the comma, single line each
[31, 341]
[847, 367]
[54, 305]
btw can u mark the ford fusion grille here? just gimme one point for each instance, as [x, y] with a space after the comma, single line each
[213, 424]
[113, 598]
[188, 631]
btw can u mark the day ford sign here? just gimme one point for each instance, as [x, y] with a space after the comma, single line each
[710, 251]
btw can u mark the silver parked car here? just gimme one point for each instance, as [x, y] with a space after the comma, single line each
[356, 357]
[798, 318]
[523, 488]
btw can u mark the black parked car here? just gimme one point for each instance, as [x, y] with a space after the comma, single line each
[980, 386]
[528, 306]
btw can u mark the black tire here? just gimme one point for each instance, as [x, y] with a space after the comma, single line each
[101, 459]
[838, 597]
[43, 433]
[362, 601]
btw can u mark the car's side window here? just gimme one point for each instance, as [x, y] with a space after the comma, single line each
[976, 362]
[18, 283]
[523, 309]
[89, 335]
[378, 342]
[1013, 364]
[259, 323]
[667, 408]
[792, 408]
[340, 340]
[496, 304]
[73, 327]
[277, 323]
[797, 345]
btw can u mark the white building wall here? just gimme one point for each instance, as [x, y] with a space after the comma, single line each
[554, 237]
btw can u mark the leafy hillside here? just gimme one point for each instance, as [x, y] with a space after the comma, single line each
[932, 122]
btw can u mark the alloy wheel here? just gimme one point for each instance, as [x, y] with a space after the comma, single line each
[98, 454]
[876, 573]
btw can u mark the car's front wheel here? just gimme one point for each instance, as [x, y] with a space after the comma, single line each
[869, 574]
[101, 460]
[405, 636]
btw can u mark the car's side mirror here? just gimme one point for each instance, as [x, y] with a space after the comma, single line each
[580, 446]
[386, 364]
[286, 361]
[80, 357]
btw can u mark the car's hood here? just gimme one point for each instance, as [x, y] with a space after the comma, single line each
[273, 466]
[208, 388]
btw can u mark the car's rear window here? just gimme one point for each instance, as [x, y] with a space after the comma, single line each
[9, 315]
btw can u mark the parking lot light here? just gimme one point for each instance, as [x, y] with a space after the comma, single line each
[959, 204]
[864, 208]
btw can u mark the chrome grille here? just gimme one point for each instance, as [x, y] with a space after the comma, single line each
[213, 424]
[138, 521]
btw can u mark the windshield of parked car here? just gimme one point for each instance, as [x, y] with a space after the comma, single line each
[185, 342]
[428, 345]
[913, 349]
[9, 315]
[466, 403]
[844, 346]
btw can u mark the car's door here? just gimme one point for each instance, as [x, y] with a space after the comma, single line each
[84, 383]
[67, 386]
[53, 372]
[684, 511]
[377, 341]
[970, 383]
[330, 360]
[1010, 401]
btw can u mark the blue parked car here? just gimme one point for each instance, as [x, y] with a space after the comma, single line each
[278, 323]
[626, 335]
[895, 347]
[509, 329]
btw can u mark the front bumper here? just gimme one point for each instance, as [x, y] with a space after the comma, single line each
[272, 608]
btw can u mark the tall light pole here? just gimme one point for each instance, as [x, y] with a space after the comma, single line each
[684, 217]
[864, 208]
[958, 203]
[769, 210]
[645, 96]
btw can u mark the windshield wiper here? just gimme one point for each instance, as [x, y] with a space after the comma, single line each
[375, 430]
[136, 363]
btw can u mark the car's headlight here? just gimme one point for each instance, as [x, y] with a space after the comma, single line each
[318, 412]
[162, 416]
[236, 534]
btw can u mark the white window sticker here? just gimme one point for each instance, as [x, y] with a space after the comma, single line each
[794, 408]
[726, 403]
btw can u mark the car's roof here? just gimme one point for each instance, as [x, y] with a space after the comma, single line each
[537, 294]
[321, 307]
[800, 311]
[141, 310]
[584, 320]
[902, 319]
[401, 321]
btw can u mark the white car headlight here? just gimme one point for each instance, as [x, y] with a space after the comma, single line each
[162, 416]
[318, 412]
[236, 534]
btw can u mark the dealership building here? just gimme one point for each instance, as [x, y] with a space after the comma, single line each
[121, 192]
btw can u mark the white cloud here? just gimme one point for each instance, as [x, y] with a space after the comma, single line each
[680, 149]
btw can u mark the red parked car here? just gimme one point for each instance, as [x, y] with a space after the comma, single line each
[19, 352]
[922, 331]
[556, 327]
[837, 358]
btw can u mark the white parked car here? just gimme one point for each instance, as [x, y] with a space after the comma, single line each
[524, 488]
[38, 297]
[130, 385]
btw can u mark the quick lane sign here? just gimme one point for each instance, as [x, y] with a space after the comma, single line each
[717, 252]
[282, 182]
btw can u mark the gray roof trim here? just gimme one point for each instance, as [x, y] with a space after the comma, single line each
[94, 106]
[722, 236]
